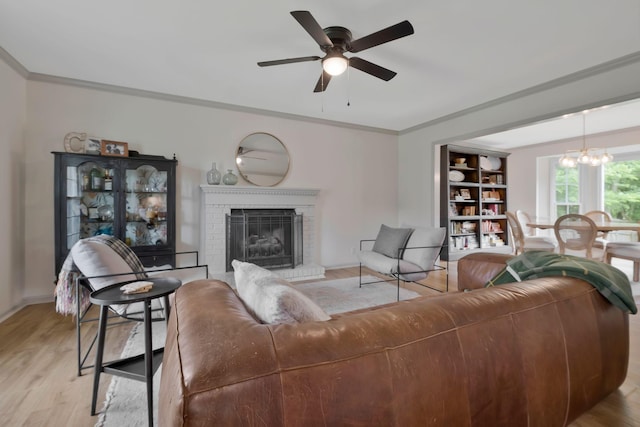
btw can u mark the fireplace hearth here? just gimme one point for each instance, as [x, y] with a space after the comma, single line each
[270, 238]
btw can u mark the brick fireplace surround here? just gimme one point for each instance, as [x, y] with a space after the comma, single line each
[217, 201]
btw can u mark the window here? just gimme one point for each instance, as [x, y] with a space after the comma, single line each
[621, 189]
[567, 190]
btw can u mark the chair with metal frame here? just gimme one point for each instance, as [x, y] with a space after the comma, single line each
[93, 252]
[411, 261]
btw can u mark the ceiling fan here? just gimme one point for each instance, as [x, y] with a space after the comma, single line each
[335, 41]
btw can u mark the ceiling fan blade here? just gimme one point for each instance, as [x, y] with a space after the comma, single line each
[312, 27]
[371, 68]
[388, 34]
[323, 82]
[288, 61]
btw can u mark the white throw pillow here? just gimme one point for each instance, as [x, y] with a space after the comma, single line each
[96, 259]
[246, 272]
[271, 298]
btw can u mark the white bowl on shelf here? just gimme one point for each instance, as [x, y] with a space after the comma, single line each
[456, 176]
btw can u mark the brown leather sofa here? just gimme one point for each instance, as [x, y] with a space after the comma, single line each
[535, 353]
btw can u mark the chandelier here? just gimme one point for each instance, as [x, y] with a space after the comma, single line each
[586, 156]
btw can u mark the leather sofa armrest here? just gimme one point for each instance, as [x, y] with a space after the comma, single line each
[475, 270]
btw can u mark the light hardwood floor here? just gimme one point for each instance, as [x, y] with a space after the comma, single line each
[39, 385]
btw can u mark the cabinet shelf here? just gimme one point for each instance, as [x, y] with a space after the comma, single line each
[477, 221]
[145, 192]
[464, 184]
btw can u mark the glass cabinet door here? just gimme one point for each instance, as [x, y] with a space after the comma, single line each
[146, 206]
[90, 201]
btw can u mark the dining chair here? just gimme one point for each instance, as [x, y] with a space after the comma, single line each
[524, 243]
[524, 219]
[604, 217]
[576, 234]
[625, 250]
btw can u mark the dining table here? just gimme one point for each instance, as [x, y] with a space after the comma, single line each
[604, 226]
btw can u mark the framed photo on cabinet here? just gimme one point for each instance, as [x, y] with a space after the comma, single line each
[114, 148]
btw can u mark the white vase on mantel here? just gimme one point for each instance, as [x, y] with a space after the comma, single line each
[214, 176]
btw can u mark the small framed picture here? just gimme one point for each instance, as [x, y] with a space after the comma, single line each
[92, 145]
[464, 192]
[114, 148]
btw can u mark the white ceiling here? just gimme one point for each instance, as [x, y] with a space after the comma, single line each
[603, 119]
[463, 53]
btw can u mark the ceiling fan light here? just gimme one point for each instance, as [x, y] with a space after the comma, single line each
[335, 65]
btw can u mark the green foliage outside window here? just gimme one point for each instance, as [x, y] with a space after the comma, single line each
[622, 190]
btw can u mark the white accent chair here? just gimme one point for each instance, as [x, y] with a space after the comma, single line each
[408, 254]
[102, 266]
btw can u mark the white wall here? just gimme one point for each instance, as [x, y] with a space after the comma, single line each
[356, 170]
[12, 249]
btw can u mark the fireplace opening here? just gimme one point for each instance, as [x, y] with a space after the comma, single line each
[270, 238]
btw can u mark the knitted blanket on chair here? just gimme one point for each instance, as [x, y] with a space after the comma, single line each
[612, 283]
[65, 292]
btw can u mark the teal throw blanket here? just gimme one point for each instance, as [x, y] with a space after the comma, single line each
[612, 283]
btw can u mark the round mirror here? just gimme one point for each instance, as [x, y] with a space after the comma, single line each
[262, 159]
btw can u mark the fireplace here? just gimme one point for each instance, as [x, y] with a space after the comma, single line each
[270, 238]
[218, 202]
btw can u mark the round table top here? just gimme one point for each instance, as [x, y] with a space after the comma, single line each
[113, 295]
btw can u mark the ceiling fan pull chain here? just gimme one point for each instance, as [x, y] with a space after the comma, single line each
[348, 85]
[322, 92]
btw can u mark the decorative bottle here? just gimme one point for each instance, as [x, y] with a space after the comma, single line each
[96, 179]
[108, 181]
[214, 175]
[229, 178]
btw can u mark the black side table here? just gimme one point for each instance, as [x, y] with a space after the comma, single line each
[143, 366]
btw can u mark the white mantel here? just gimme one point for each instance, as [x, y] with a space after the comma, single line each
[217, 202]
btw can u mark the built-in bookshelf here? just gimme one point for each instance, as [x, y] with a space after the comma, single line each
[473, 200]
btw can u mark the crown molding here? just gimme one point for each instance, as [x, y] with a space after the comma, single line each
[46, 78]
[605, 67]
[13, 63]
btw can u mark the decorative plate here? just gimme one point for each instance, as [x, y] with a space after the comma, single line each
[158, 181]
[456, 176]
[490, 163]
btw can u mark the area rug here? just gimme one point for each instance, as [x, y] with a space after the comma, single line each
[126, 400]
[342, 295]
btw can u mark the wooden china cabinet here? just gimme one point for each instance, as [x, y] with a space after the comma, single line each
[131, 198]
